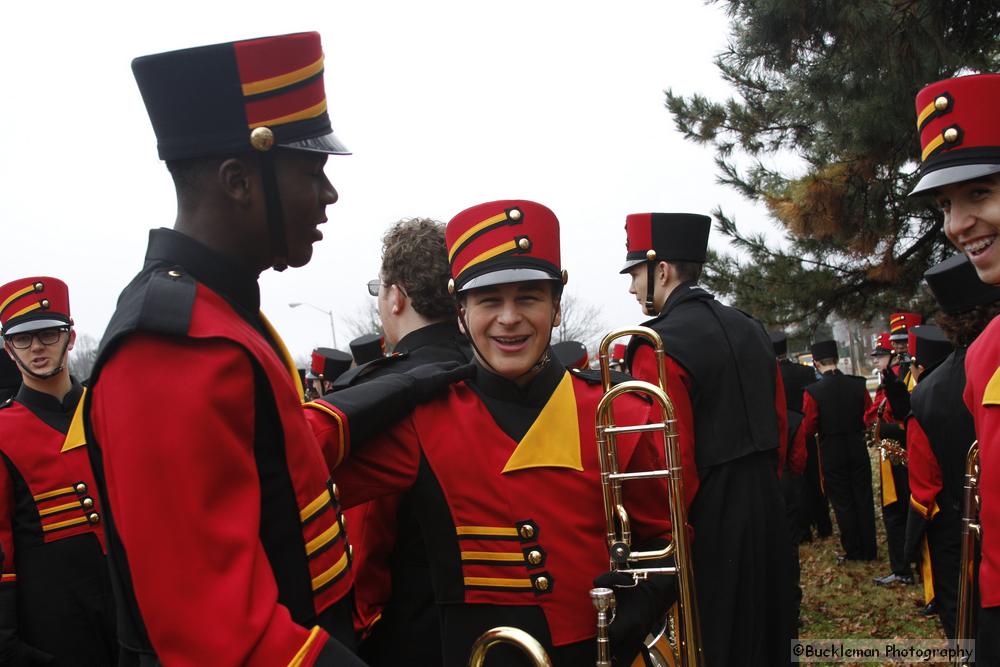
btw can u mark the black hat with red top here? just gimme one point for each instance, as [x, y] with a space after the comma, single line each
[664, 237]
[956, 285]
[505, 241]
[31, 304]
[244, 97]
[959, 132]
[367, 348]
[329, 363]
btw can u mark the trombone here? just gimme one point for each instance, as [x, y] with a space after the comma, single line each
[687, 630]
[971, 534]
[505, 635]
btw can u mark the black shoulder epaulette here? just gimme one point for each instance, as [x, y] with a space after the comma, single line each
[6, 404]
[593, 376]
[168, 302]
[362, 372]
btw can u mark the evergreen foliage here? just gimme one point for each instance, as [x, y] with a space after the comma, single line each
[829, 86]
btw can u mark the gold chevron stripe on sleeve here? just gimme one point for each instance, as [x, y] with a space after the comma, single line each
[323, 538]
[300, 655]
[489, 531]
[64, 524]
[316, 505]
[324, 578]
[499, 583]
[52, 494]
[492, 555]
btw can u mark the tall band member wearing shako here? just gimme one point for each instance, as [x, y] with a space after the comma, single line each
[835, 408]
[960, 169]
[394, 599]
[223, 529]
[892, 410]
[503, 469]
[56, 605]
[723, 380]
[941, 429]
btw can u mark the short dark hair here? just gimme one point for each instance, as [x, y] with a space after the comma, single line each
[414, 256]
[189, 175]
[963, 328]
[687, 271]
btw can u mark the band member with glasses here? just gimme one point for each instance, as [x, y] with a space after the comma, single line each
[56, 605]
[502, 470]
[393, 596]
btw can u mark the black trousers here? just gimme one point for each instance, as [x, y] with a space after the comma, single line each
[894, 518]
[944, 541]
[847, 477]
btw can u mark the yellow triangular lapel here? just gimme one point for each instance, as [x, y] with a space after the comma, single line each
[553, 441]
[76, 436]
[285, 356]
[992, 394]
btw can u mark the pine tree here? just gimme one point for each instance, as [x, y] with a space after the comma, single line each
[829, 85]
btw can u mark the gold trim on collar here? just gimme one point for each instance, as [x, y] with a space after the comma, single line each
[553, 441]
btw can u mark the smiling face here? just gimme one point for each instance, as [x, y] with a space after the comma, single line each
[305, 194]
[511, 325]
[972, 220]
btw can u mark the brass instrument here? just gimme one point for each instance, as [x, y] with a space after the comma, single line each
[965, 628]
[687, 631]
[504, 635]
[892, 450]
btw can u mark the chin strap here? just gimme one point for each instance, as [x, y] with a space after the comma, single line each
[52, 373]
[650, 278]
[275, 213]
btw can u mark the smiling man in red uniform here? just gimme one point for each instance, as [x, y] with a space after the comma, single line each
[503, 470]
[56, 605]
[960, 169]
[723, 379]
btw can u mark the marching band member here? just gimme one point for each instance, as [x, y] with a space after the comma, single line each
[723, 380]
[960, 169]
[503, 472]
[56, 605]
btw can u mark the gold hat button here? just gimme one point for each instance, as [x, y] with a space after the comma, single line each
[524, 244]
[535, 557]
[941, 103]
[951, 135]
[542, 584]
[93, 517]
[80, 488]
[515, 214]
[262, 139]
[87, 503]
[527, 531]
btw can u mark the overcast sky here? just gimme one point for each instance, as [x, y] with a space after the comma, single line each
[445, 105]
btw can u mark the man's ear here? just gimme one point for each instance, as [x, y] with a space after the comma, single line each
[72, 340]
[557, 318]
[663, 273]
[397, 301]
[460, 317]
[236, 179]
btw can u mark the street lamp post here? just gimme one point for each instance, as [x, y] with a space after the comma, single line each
[329, 313]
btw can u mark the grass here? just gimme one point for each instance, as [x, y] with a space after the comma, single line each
[841, 601]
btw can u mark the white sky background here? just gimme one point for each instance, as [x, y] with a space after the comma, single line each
[445, 105]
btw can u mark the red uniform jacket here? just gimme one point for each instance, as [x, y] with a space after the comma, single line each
[225, 535]
[54, 580]
[982, 397]
[924, 470]
[525, 520]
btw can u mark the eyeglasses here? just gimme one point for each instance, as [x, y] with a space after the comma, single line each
[374, 285]
[22, 341]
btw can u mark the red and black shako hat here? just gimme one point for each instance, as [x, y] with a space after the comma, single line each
[664, 237]
[883, 345]
[329, 363]
[824, 349]
[368, 347]
[901, 323]
[956, 285]
[212, 101]
[31, 304]
[959, 132]
[506, 241]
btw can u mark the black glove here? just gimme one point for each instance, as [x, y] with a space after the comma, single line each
[893, 431]
[372, 406]
[639, 608]
[916, 526]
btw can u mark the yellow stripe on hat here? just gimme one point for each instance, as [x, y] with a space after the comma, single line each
[15, 296]
[924, 113]
[282, 80]
[932, 146]
[309, 112]
[475, 229]
[489, 254]
[34, 306]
